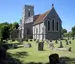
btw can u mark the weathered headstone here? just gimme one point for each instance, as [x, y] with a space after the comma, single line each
[69, 42]
[66, 42]
[69, 49]
[30, 39]
[37, 41]
[27, 45]
[73, 38]
[51, 45]
[34, 39]
[15, 45]
[40, 46]
[61, 45]
[26, 40]
[54, 59]
[56, 41]
[47, 41]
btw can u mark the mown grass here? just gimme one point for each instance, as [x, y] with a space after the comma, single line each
[27, 55]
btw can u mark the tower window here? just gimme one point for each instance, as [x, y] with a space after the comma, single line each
[29, 14]
[48, 26]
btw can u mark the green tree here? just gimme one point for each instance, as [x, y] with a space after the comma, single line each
[64, 31]
[16, 25]
[73, 31]
[5, 32]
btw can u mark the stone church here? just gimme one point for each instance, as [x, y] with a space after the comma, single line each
[41, 26]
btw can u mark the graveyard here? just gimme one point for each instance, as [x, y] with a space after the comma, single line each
[29, 54]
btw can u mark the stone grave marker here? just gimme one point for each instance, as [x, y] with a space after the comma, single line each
[54, 59]
[73, 38]
[30, 39]
[15, 45]
[61, 45]
[37, 41]
[34, 39]
[69, 42]
[51, 44]
[47, 41]
[69, 49]
[27, 45]
[56, 41]
[66, 41]
[40, 46]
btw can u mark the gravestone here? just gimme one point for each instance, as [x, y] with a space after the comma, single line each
[66, 41]
[51, 45]
[34, 39]
[27, 45]
[26, 40]
[69, 49]
[15, 46]
[56, 41]
[40, 46]
[61, 46]
[47, 41]
[73, 38]
[37, 41]
[30, 39]
[54, 59]
[69, 42]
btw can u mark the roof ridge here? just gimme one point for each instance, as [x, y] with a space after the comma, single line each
[41, 17]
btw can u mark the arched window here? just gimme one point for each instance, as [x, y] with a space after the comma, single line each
[57, 27]
[29, 14]
[48, 25]
[52, 24]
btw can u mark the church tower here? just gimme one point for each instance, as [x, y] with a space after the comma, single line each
[28, 11]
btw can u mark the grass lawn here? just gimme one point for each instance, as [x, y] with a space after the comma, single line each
[27, 55]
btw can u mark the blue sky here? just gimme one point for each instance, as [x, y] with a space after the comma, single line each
[11, 10]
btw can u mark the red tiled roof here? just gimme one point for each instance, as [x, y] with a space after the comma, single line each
[41, 17]
[35, 17]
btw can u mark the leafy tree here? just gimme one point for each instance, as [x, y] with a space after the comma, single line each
[64, 31]
[16, 25]
[5, 32]
[73, 31]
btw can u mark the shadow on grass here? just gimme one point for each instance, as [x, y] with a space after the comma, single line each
[12, 60]
[63, 60]
[67, 60]
[36, 63]
[20, 54]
